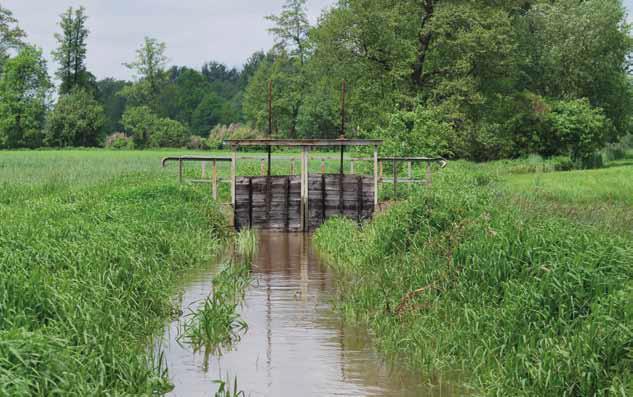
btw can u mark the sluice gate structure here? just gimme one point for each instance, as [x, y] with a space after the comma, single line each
[299, 196]
[302, 202]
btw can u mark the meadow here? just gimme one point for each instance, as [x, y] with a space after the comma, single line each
[91, 246]
[510, 279]
[516, 276]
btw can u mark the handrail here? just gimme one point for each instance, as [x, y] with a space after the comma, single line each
[192, 158]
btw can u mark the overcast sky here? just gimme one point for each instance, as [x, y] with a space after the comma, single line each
[195, 31]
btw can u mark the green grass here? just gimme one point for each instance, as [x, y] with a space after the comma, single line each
[91, 244]
[523, 302]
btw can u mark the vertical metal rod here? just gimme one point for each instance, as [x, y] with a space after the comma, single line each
[343, 92]
[214, 182]
[307, 187]
[270, 120]
[233, 174]
[261, 167]
[375, 177]
[303, 187]
[250, 202]
[342, 152]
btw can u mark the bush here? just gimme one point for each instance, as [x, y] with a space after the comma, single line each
[422, 132]
[196, 142]
[614, 151]
[220, 133]
[119, 140]
[148, 129]
[76, 120]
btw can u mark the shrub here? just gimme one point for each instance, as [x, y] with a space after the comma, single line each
[168, 133]
[76, 120]
[196, 142]
[119, 140]
[220, 133]
[416, 133]
[148, 129]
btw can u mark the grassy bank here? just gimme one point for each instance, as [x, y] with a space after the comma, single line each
[90, 246]
[523, 301]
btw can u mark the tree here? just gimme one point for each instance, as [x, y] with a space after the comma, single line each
[11, 36]
[207, 114]
[76, 120]
[113, 104]
[24, 91]
[72, 50]
[291, 28]
[149, 68]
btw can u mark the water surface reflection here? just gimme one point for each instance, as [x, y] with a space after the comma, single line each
[295, 345]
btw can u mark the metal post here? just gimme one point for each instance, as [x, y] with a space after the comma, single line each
[180, 170]
[303, 186]
[375, 177]
[351, 167]
[214, 180]
[204, 169]
[233, 175]
[270, 120]
[261, 167]
[292, 166]
[322, 166]
[343, 89]
[342, 152]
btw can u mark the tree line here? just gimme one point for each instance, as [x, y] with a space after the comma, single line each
[478, 80]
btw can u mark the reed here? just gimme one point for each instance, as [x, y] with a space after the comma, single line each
[459, 278]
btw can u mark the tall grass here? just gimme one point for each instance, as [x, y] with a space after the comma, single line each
[216, 324]
[88, 259]
[459, 278]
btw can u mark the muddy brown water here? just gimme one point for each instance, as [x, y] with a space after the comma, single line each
[296, 345]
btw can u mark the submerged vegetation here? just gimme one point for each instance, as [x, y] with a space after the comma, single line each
[89, 255]
[458, 277]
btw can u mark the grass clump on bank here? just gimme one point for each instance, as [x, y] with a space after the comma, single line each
[216, 323]
[87, 273]
[456, 277]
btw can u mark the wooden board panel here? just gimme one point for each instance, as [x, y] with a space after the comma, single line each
[274, 203]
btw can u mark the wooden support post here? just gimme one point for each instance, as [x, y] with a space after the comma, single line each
[409, 170]
[180, 170]
[351, 167]
[204, 169]
[292, 166]
[233, 175]
[429, 178]
[262, 167]
[250, 203]
[376, 177]
[303, 187]
[214, 180]
[395, 179]
[322, 166]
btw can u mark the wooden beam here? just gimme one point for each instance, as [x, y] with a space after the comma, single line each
[233, 176]
[303, 142]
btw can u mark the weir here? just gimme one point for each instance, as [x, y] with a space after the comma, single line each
[302, 202]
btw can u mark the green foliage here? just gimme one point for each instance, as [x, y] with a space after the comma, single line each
[151, 79]
[119, 140]
[113, 104]
[76, 120]
[579, 128]
[458, 277]
[149, 130]
[71, 53]
[420, 131]
[11, 36]
[24, 89]
[84, 292]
